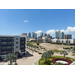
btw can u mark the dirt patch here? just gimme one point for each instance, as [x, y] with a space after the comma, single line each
[53, 46]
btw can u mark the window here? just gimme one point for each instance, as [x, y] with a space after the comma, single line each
[3, 42]
[8, 51]
[62, 41]
[22, 50]
[12, 46]
[12, 51]
[4, 38]
[16, 46]
[3, 47]
[16, 42]
[16, 38]
[8, 47]
[22, 46]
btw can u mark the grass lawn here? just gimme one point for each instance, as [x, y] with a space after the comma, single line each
[57, 51]
[73, 54]
[31, 42]
[41, 61]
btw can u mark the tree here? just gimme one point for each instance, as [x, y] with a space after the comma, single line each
[58, 63]
[45, 55]
[64, 52]
[50, 52]
[37, 43]
[10, 57]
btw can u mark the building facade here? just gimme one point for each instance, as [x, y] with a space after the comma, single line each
[29, 35]
[62, 35]
[59, 34]
[69, 36]
[45, 34]
[12, 44]
[65, 37]
[33, 34]
[66, 41]
[41, 34]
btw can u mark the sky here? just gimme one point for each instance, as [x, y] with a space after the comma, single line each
[18, 21]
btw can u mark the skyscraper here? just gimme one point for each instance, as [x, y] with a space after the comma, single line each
[59, 34]
[48, 36]
[41, 34]
[69, 36]
[45, 34]
[62, 35]
[33, 34]
[29, 35]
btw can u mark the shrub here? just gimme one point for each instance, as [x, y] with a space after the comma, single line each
[71, 47]
[39, 53]
[37, 43]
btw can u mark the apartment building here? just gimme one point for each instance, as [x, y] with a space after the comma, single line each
[12, 44]
[69, 36]
[65, 37]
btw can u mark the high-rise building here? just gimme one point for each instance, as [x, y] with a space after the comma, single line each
[59, 34]
[45, 34]
[41, 34]
[62, 35]
[12, 44]
[65, 37]
[33, 35]
[29, 35]
[48, 36]
[69, 36]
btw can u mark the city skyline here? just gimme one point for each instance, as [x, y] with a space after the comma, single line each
[16, 22]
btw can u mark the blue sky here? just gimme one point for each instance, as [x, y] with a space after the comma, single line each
[18, 21]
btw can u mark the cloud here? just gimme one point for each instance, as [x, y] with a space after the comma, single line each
[25, 20]
[69, 30]
[57, 30]
[52, 31]
[62, 30]
[38, 32]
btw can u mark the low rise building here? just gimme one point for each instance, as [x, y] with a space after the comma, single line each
[12, 44]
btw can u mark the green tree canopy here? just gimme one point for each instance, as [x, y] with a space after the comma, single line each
[64, 52]
[10, 57]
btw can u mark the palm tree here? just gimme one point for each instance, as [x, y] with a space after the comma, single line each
[50, 52]
[64, 52]
[45, 55]
[58, 63]
[10, 57]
